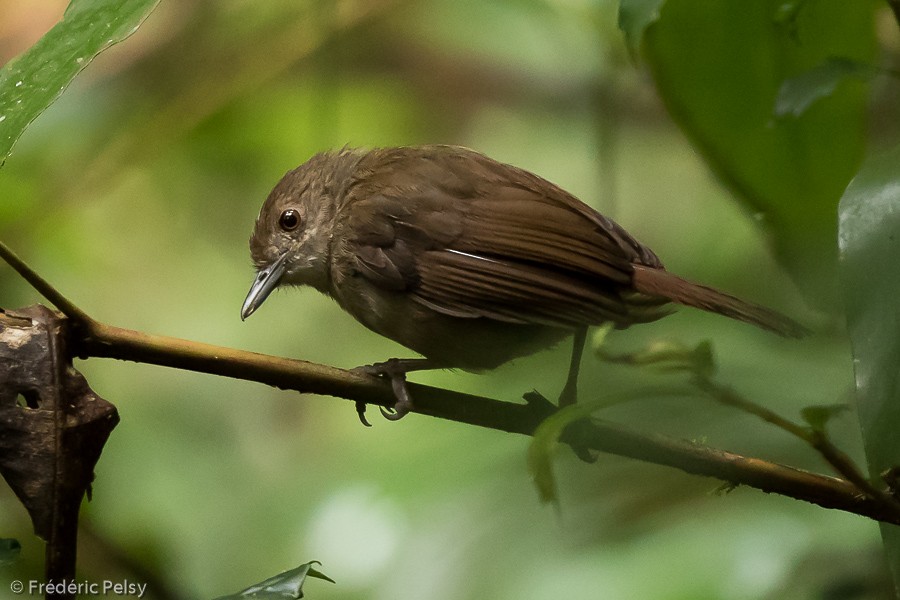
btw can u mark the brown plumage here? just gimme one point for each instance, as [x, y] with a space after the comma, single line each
[468, 261]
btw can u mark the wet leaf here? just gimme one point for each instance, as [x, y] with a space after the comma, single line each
[870, 250]
[284, 586]
[32, 81]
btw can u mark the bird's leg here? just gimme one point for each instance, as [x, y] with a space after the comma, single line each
[569, 394]
[395, 369]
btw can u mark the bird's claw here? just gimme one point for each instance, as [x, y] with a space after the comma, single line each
[361, 413]
[392, 369]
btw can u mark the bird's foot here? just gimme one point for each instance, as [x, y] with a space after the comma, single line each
[569, 394]
[394, 369]
[361, 413]
[577, 434]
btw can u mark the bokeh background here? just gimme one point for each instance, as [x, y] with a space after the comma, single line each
[135, 194]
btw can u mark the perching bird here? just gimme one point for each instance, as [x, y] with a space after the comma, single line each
[468, 261]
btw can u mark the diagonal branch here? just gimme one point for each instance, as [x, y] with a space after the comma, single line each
[43, 286]
[94, 339]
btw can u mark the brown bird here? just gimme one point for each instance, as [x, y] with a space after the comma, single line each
[468, 261]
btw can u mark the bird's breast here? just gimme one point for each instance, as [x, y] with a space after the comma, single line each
[467, 343]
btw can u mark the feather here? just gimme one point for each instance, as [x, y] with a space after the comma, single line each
[472, 238]
[662, 284]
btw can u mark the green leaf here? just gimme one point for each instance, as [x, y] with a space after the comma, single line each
[285, 586]
[9, 551]
[817, 417]
[543, 445]
[798, 93]
[634, 17]
[719, 65]
[870, 252]
[32, 81]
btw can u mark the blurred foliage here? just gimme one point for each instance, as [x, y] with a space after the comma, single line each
[135, 193]
[9, 551]
[719, 66]
[797, 94]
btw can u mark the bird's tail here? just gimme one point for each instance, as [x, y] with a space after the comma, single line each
[659, 282]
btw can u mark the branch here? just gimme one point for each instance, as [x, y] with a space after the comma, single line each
[95, 339]
[828, 492]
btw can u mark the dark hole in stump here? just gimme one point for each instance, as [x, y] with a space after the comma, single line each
[28, 399]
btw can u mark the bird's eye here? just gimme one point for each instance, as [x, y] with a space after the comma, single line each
[289, 220]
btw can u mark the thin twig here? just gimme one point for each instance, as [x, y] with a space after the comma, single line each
[839, 460]
[43, 287]
[698, 361]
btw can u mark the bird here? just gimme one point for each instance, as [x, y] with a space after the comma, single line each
[465, 260]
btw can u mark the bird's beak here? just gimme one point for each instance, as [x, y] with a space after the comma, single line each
[266, 281]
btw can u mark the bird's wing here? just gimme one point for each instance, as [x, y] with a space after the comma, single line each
[505, 250]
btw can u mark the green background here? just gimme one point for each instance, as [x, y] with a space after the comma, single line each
[135, 194]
